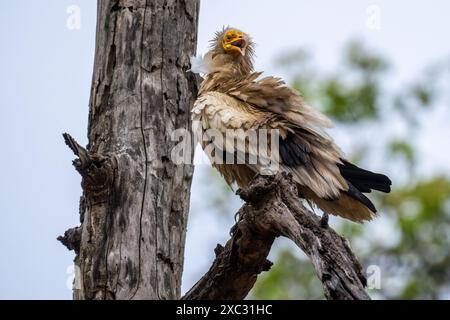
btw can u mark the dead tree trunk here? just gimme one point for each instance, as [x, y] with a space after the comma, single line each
[134, 207]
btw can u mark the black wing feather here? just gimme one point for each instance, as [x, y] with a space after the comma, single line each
[294, 152]
[364, 180]
[361, 180]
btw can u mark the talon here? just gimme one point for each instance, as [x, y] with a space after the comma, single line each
[324, 220]
[233, 229]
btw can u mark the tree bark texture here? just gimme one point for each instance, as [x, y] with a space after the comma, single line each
[272, 209]
[134, 207]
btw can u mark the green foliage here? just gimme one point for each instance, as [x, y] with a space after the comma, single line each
[360, 58]
[402, 148]
[423, 94]
[281, 282]
[422, 213]
[347, 99]
[350, 103]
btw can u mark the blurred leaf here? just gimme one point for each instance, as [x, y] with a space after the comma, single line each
[404, 149]
[289, 278]
[423, 94]
[358, 57]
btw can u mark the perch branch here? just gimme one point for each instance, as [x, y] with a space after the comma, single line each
[272, 209]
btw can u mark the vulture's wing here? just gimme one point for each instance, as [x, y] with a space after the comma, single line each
[220, 121]
[306, 150]
[303, 152]
[272, 94]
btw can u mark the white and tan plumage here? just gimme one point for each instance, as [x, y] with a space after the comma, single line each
[233, 96]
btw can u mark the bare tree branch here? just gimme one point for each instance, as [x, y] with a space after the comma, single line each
[272, 209]
[236, 267]
[71, 239]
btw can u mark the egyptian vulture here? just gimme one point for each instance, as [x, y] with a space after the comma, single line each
[234, 98]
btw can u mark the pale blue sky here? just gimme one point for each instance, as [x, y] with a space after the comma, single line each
[44, 90]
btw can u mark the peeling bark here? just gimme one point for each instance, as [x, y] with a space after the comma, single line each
[134, 207]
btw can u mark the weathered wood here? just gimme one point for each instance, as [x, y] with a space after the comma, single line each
[272, 209]
[135, 200]
[237, 265]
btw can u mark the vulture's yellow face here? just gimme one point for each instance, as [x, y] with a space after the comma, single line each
[235, 42]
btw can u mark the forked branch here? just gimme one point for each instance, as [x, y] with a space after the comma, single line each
[272, 209]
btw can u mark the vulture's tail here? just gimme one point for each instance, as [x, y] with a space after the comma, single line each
[352, 204]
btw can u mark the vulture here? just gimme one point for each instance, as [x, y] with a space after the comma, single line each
[233, 100]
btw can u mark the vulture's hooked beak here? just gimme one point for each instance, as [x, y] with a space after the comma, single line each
[235, 41]
[241, 45]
